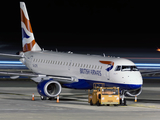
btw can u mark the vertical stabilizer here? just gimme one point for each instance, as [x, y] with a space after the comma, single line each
[28, 40]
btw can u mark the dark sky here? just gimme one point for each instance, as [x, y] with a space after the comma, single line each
[84, 23]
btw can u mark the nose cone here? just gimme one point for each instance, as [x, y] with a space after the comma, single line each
[129, 75]
[136, 80]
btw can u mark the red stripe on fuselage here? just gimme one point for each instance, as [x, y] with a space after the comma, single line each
[107, 62]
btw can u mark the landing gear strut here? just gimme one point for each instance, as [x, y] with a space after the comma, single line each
[123, 100]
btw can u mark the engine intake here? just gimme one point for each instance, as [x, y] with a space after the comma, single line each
[49, 88]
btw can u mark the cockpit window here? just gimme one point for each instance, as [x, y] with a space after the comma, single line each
[118, 68]
[129, 68]
[126, 68]
[134, 68]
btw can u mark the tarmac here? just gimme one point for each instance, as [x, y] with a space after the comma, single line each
[16, 104]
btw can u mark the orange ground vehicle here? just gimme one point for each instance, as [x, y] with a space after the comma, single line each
[104, 95]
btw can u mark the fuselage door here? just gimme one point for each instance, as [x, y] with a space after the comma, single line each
[108, 71]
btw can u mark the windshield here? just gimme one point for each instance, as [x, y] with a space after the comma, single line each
[129, 68]
[109, 91]
[126, 68]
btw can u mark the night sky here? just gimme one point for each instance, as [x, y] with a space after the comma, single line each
[83, 23]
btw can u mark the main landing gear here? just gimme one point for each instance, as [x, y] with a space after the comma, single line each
[47, 98]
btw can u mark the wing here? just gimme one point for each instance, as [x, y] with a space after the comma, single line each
[14, 75]
[11, 56]
[39, 77]
[150, 73]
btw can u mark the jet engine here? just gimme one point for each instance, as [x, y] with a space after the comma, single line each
[133, 93]
[49, 88]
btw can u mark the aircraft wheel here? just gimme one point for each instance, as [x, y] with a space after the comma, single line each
[51, 98]
[125, 102]
[98, 104]
[43, 98]
[120, 102]
[91, 102]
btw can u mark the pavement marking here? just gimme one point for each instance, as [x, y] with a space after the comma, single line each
[144, 106]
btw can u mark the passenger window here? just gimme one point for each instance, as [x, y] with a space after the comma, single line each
[92, 66]
[101, 68]
[84, 65]
[95, 66]
[118, 68]
[98, 67]
[87, 66]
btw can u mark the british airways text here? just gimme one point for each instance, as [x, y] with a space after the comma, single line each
[88, 71]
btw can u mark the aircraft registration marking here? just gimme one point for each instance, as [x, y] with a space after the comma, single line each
[35, 65]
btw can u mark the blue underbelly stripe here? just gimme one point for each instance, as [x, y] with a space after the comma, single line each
[88, 84]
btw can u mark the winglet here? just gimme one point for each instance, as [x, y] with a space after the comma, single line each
[28, 40]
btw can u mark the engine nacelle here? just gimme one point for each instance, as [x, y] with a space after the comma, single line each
[133, 93]
[49, 88]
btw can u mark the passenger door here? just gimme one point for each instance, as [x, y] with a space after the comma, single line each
[107, 72]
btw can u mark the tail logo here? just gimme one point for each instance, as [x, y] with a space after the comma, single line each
[24, 35]
[108, 63]
[28, 39]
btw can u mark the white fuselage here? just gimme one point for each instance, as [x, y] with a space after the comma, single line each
[85, 68]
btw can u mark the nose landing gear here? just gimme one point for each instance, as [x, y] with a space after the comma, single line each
[123, 100]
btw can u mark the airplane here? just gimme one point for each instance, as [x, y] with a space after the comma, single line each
[54, 70]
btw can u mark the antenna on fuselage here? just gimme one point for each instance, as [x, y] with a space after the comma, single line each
[104, 55]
